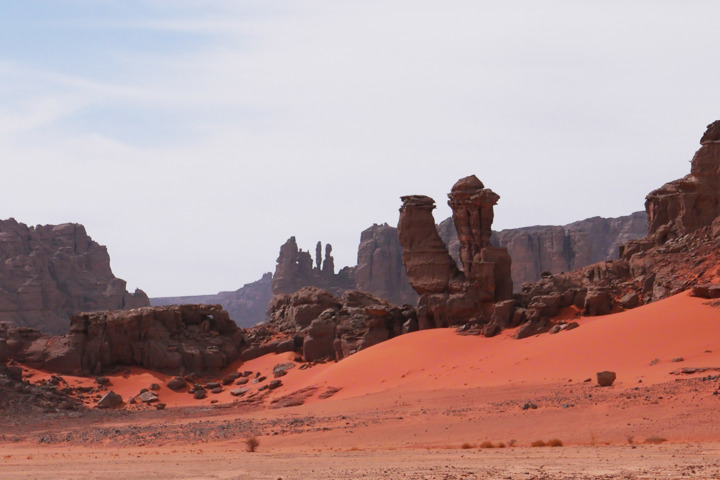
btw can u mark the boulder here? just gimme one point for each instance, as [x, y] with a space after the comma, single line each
[176, 384]
[110, 400]
[605, 378]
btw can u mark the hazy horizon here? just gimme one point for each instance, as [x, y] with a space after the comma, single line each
[194, 138]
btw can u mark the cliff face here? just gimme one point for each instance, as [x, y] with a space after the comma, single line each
[50, 272]
[379, 268]
[557, 249]
[246, 306]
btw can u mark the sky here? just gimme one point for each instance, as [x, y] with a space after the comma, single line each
[193, 138]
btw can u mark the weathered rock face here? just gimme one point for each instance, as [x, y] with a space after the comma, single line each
[174, 339]
[682, 248]
[246, 306]
[447, 294]
[380, 270]
[328, 327]
[295, 270]
[50, 272]
[685, 205]
[557, 249]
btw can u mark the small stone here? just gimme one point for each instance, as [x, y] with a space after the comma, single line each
[211, 385]
[241, 381]
[274, 384]
[677, 360]
[147, 397]
[102, 380]
[199, 394]
[154, 387]
[160, 406]
[259, 379]
[216, 390]
[239, 392]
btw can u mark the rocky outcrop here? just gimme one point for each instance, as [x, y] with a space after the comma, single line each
[173, 339]
[681, 250]
[556, 249]
[295, 270]
[246, 306]
[380, 270]
[692, 202]
[448, 295]
[50, 272]
[324, 326]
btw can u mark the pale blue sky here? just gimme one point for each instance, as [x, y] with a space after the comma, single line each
[194, 137]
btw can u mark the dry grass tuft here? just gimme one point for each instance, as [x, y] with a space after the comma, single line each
[538, 443]
[487, 444]
[555, 442]
[511, 443]
[655, 439]
[251, 443]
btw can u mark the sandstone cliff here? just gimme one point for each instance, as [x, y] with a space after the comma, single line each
[556, 249]
[380, 270]
[246, 306]
[681, 250]
[173, 339]
[50, 272]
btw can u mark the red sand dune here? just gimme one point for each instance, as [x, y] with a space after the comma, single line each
[627, 343]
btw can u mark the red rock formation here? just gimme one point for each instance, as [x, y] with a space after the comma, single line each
[380, 270]
[50, 272]
[685, 205]
[295, 270]
[173, 339]
[448, 295]
[682, 248]
[326, 326]
[556, 249]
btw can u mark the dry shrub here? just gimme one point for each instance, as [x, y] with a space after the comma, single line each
[252, 443]
[500, 445]
[466, 445]
[655, 439]
[555, 442]
[630, 439]
[511, 442]
[487, 444]
[537, 443]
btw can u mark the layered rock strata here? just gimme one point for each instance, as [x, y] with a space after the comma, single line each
[50, 272]
[556, 249]
[448, 295]
[173, 339]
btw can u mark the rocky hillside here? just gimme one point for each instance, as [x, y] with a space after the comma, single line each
[50, 272]
[556, 249]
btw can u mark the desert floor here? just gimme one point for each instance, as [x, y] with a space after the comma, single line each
[420, 406]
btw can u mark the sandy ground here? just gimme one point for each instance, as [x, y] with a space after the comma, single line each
[420, 406]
